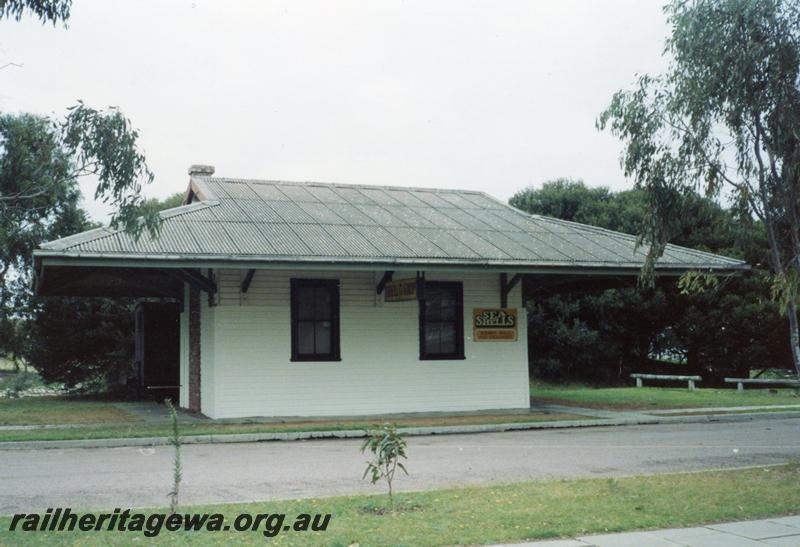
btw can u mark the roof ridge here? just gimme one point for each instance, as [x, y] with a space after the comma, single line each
[235, 180]
[615, 233]
[76, 239]
[589, 227]
[185, 209]
[104, 232]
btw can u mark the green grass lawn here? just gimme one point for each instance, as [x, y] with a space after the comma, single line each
[59, 410]
[643, 398]
[481, 515]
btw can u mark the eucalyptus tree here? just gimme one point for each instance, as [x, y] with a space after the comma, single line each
[41, 163]
[722, 118]
[602, 332]
[47, 11]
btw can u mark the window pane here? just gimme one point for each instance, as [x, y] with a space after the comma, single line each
[432, 338]
[305, 302]
[315, 316]
[432, 304]
[442, 336]
[305, 337]
[447, 310]
[323, 303]
[440, 304]
[447, 338]
[447, 314]
[324, 336]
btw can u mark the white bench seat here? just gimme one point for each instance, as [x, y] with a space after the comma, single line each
[740, 382]
[680, 378]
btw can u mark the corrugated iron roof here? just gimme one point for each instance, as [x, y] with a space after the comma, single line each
[277, 221]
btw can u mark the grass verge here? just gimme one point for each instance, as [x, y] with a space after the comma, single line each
[649, 398]
[59, 410]
[481, 515]
[138, 430]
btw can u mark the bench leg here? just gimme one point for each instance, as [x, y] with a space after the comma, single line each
[691, 385]
[638, 382]
[739, 387]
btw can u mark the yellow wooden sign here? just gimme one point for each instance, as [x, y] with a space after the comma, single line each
[402, 289]
[494, 324]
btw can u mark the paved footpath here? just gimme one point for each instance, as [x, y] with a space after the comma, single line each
[780, 532]
[81, 478]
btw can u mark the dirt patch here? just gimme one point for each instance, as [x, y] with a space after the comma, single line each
[58, 410]
[388, 510]
[603, 406]
[435, 421]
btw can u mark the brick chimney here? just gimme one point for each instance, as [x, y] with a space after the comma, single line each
[201, 170]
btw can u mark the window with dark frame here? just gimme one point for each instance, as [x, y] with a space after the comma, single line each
[441, 321]
[315, 319]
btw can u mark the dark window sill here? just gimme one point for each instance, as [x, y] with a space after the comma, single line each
[441, 358]
[315, 359]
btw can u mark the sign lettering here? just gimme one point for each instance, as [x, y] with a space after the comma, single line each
[400, 290]
[494, 324]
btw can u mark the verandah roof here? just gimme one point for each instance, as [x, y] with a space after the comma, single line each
[257, 223]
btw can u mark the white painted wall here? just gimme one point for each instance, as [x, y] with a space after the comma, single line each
[246, 348]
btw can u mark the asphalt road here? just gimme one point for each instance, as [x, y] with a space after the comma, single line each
[33, 480]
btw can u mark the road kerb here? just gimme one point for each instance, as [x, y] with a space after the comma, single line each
[411, 431]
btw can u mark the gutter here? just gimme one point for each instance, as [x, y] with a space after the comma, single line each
[61, 258]
[409, 431]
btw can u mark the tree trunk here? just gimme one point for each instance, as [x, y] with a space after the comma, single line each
[693, 359]
[794, 335]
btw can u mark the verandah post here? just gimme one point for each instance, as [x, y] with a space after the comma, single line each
[194, 349]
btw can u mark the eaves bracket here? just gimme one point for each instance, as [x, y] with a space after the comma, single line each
[196, 280]
[506, 286]
[248, 278]
[387, 276]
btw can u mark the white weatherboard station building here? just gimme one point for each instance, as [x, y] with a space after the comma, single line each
[310, 299]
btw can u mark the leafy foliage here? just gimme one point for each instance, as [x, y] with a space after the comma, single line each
[57, 346]
[104, 144]
[387, 447]
[51, 11]
[38, 202]
[169, 202]
[41, 160]
[568, 199]
[40, 163]
[722, 119]
[601, 331]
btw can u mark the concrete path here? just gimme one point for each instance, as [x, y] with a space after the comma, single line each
[33, 480]
[154, 412]
[707, 410]
[593, 412]
[782, 532]
[648, 413]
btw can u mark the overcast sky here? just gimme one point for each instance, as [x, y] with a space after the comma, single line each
[491, 96]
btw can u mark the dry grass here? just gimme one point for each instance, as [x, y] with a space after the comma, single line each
[59, 411]
[473, 419]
